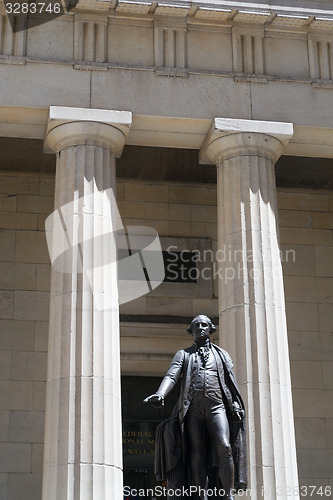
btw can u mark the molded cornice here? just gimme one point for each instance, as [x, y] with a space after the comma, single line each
[280, 13]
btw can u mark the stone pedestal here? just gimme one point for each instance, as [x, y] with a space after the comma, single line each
[251, 295]
[83, 446]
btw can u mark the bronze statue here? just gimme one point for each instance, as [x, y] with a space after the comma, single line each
[203, 445]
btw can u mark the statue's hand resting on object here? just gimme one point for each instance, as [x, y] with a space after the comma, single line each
[238, 413]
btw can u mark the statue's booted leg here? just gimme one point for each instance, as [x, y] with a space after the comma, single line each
[218, 428]
[196, 443]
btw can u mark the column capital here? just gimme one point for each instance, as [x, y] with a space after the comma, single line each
[77, 126]
[228, 137]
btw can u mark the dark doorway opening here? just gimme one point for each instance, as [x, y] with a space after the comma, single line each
[139, 426]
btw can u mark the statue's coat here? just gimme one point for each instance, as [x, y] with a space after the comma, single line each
[170, 454]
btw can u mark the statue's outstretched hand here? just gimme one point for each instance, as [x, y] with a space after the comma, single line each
[155, 400]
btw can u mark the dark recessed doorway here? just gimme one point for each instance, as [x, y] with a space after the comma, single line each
[139, 426]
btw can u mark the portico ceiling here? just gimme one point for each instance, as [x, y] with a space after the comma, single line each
[165, 131]
[174, 165]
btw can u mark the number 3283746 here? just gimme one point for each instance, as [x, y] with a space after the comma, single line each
[33, 8]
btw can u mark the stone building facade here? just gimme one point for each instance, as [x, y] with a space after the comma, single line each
[212, 123]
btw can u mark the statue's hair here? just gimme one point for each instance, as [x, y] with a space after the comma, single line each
[212, 327]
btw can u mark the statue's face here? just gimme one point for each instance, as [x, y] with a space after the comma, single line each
[200, 328]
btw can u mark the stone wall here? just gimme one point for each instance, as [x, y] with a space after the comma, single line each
[25, 200]
[180, 213]
[306, 223]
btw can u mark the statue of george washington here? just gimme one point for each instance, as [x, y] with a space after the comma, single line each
[203, 444]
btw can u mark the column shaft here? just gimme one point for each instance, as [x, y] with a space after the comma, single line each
[83, 451]
[252, 319]
[83, 445]
[251, 301]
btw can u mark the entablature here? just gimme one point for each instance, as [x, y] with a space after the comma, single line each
[281, 15]
[182, 38]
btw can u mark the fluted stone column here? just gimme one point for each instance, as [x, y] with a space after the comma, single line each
[251, 295]
[83, 447]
